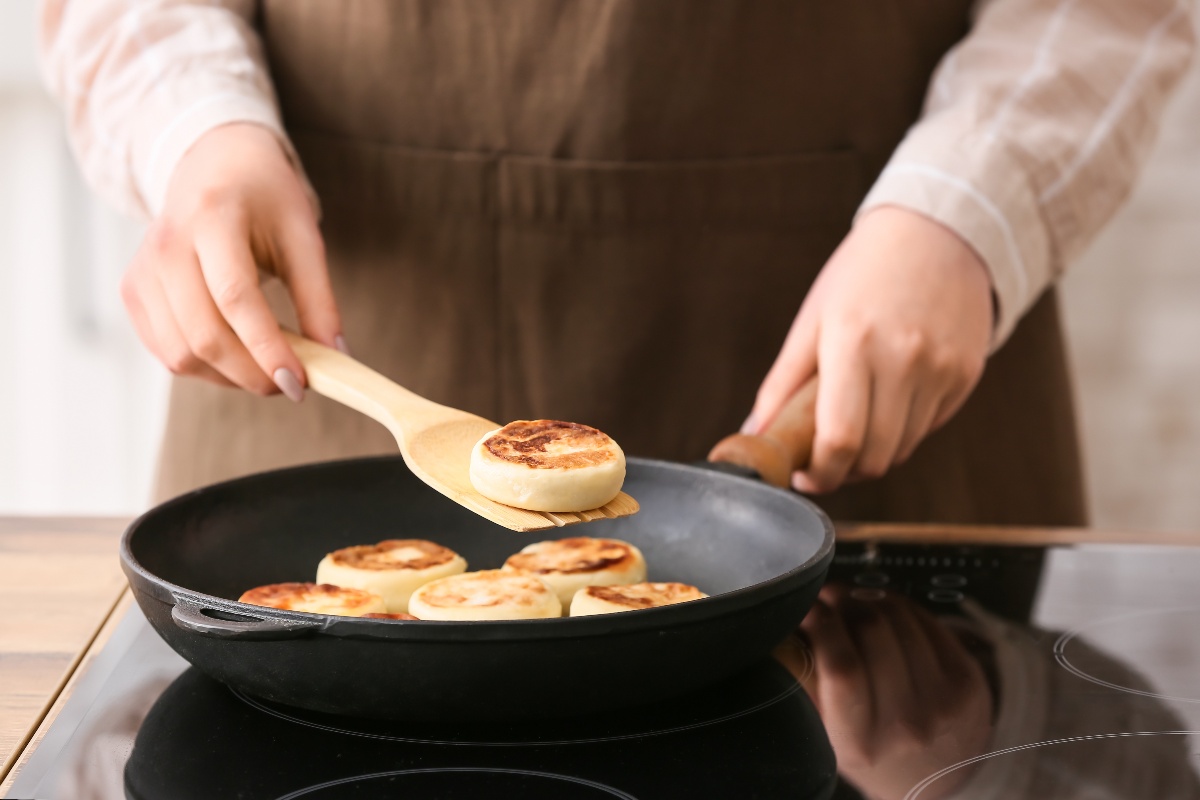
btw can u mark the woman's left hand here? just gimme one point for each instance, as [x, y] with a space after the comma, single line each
[897, 325]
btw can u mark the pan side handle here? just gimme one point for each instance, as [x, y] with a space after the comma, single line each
[243, 627]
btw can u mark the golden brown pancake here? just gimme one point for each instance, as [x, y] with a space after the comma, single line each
[550, 444]
[570, 564]
[388, 616]
[548, 465]
[316, 598]
[392, 554]
[488, 595]
[608, 599]
[392, 569]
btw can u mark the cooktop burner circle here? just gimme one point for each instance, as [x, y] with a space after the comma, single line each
[1152, 634]
[1150, 739]
[745, 694]
[465, 782]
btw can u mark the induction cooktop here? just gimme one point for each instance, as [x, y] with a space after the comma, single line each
[1091, 656]
[143, 724]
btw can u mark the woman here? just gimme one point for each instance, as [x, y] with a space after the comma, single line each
[610, 212]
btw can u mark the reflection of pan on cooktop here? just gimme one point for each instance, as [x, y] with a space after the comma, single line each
[202, 740]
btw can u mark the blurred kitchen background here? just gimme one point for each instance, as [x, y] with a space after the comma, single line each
[81, 404]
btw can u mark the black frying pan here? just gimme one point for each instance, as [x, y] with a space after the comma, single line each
[761, 553]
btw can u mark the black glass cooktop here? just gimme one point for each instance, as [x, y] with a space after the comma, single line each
[145, 725]
[931, 671]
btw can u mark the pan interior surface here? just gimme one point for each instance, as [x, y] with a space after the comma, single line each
[717, 532]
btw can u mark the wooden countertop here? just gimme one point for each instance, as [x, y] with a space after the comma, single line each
[61, 582]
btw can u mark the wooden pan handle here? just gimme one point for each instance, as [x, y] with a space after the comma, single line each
[784, 447]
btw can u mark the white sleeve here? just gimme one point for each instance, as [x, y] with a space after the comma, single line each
[1034, 130]
[142, 80]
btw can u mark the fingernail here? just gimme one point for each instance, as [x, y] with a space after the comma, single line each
[289, 384]
[801, 483]
[751, 423]
[339, 342]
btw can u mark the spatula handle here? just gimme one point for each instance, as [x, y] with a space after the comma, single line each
[339, 377]
[784, 447]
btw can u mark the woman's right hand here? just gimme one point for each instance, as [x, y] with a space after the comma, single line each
[234, 205]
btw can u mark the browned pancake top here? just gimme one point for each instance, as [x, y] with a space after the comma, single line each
[551, 444]
[293, 596]
[377, 615]
[484, 589]
[393, 554]
[574, 555]
[645, 595]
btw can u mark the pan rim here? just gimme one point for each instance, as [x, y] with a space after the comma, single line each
[693, 612]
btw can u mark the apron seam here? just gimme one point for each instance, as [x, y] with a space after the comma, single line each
[492, 210]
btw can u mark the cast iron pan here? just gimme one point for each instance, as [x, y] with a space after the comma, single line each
[760, 552]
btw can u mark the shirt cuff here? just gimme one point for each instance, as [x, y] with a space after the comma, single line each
[167, 146]
[972, 184]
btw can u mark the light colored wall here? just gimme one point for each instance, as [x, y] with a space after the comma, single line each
[81, 404]
[1133, 314]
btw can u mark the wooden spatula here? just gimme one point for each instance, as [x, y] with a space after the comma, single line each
[434, 440]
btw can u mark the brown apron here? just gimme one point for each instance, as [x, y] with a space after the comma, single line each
[609, 211]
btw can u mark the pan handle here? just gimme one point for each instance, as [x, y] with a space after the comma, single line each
[784, 447]
[248, 628]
